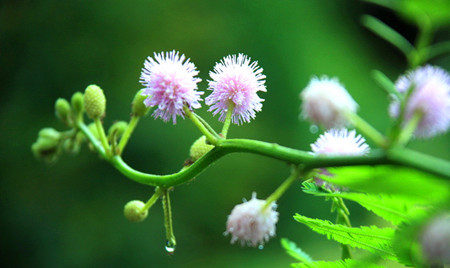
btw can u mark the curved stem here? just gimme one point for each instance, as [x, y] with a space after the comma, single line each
[368, 130]
[209, 136]
[397, 156]
[153, 199]
[101, 133]
[283, 187]
[127, 134]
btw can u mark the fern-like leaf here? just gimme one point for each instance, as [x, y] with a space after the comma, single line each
[347, 263]
[295, 252]
[407, 183]
[371, 238]
[391, 208]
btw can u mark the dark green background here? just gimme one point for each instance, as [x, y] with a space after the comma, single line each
[70, 214]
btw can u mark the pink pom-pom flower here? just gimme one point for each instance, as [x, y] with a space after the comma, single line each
[170, 83]
[430, 95]
[336, 142]
[251, 223]
[236, 80]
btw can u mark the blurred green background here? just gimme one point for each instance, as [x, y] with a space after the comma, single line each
[70, 214]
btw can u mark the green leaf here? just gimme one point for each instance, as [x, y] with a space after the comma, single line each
[410, 184]
[295, 252]
[391, 208]
[384, 82]
[375, 240]
[387, 33]
[347, 263]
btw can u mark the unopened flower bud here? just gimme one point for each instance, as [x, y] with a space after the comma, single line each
[47, 145]
[199, 148]
[50, 133]
[63, 111]
[77, 102]
[133, 211]
[94, 102]
[117, 129]
[137, 106]
[251, 223]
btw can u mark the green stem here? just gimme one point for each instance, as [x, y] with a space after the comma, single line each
[153, 199]
[368, 130]
[210, 137]
[342, 218]
[96, 143]
[295, 173]
[127, 134]
[420, 53]
[101, 133]
[171, 242]
[396, 156]
[410, 127]
[227, 122]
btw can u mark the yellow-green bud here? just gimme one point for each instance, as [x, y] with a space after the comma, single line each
[199, 148]
[137, 106]
[117, 129]
[63, 111]
[47, 145]
[77, 102]
[133, 211]
[50, 133]
[94, 102]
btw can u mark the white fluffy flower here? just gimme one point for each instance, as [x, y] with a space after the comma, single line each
[430, 95]
[325, 102]
[250, 223]
[340, 142]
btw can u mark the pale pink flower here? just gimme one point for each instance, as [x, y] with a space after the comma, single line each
[430, 95]
[170, 84]
[236, 80]
[336, 142]
[251, 224]
[325, 102]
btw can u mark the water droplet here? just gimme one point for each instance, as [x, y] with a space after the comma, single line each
[313, 129]
[170, 248]
[261, 247]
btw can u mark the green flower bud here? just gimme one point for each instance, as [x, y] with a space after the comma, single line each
[137, 106]
[77, 102]
[199, 148]
[50, 133]
[94, 102]
[117, 129]
[47, 146]
[133, 211]
[63, 111]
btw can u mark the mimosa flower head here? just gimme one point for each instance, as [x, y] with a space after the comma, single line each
[236, 81]
[170, 84]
